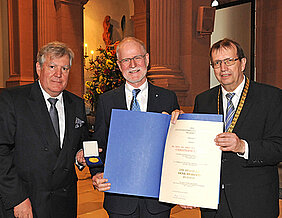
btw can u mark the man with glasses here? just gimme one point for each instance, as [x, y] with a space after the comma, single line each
[136, 94]
[252, 138]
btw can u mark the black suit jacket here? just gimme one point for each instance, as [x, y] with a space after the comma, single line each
[30, 163]
[251, 185]
[159, 99]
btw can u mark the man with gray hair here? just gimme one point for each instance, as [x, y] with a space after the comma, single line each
[136, 94]
[41, 132]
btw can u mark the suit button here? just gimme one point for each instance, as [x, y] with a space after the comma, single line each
[45, 149]
[73, 148]
[51, 193]
[64, 189]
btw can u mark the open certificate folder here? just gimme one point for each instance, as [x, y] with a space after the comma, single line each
[143, 144]
[191, 165]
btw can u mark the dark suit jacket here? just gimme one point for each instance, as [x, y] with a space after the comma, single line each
[251, 185]
[159, 100]
[30, 164]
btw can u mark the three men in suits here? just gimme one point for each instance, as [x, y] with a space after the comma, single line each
[133, 61]
[252, 144]
[38, 149]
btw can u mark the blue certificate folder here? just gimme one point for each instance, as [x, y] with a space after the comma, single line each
[135, 150]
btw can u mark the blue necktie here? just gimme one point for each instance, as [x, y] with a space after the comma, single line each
[134, 106]
[230, 110]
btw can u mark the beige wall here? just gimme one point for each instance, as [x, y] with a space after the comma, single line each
[4, 49]
[235, 23]
[94, 15]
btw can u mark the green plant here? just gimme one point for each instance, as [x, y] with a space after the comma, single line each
[105, 75]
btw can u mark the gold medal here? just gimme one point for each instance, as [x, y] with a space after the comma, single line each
[93, 160]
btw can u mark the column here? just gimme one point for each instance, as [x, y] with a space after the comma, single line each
[165, 35]
[21, 47]
[141, 20]
[165, 47]
[194, 50]
[70, 31]
[46, 22]
[269, 42]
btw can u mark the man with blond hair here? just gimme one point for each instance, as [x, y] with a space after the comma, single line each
[41, 132]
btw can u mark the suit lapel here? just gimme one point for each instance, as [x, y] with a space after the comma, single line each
[41, 117]
[152, 97]
[212, 102]
[219, 101]
[69, 108]
[119, 98]
[246, 107]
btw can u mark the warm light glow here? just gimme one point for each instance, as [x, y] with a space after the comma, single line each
[85, 50]
[214, 3]
[92, 52]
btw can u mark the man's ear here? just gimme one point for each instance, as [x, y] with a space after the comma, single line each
[147, 56]
[243, 64]
[118, 63]
[38, 69]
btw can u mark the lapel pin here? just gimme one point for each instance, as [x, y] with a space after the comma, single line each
[157, 95]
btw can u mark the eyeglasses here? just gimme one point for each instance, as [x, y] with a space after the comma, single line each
[137, 59]
[227, 62]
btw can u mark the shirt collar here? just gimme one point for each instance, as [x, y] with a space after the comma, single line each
[46, 95]
[143, 87]
[237, 91]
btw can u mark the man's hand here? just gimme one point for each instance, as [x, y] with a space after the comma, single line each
[23, 210]
[174, 115]
[100, 183]
[80, 157]
[230, 142]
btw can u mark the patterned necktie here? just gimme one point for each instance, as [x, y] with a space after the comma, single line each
[230, 110]
[54, 115]
[134, 106]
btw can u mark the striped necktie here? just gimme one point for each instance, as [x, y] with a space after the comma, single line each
[134, 106]
[230, 110]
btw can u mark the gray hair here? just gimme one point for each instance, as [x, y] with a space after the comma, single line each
[55, 50]
[130, 39]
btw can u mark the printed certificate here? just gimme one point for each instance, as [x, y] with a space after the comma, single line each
[191, 162]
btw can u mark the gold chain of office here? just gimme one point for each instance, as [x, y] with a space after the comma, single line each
[240, 106]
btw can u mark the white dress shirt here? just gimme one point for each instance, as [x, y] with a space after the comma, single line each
[235, 100]
[142, 96]
[61, 111]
